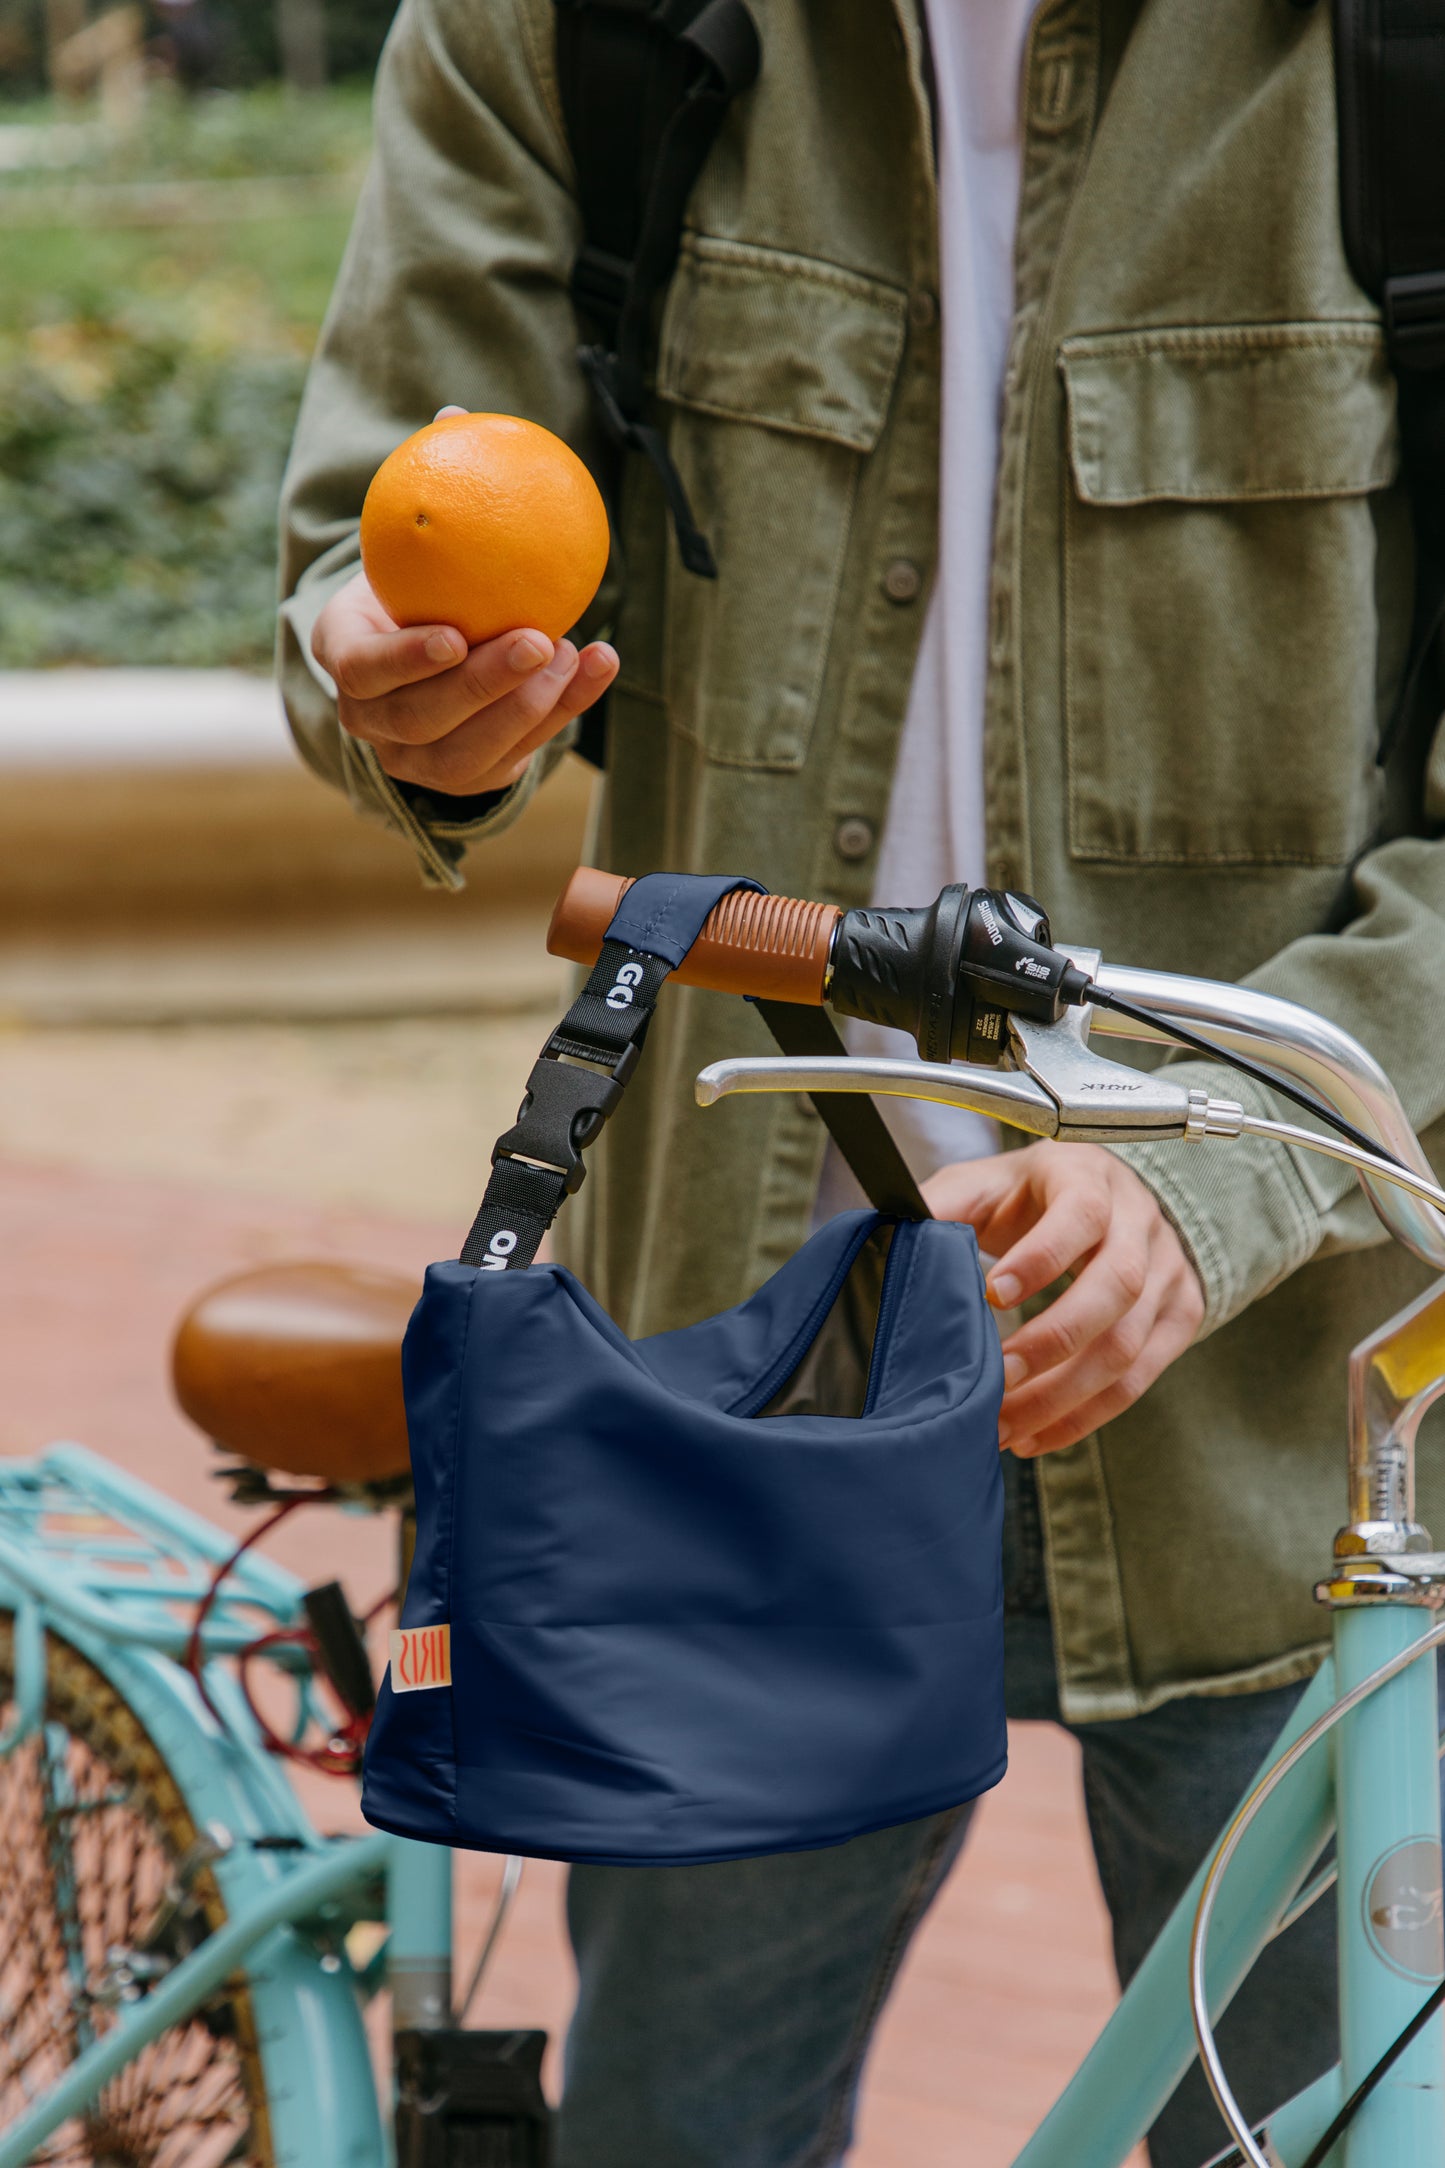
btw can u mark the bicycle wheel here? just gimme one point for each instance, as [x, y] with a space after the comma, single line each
[103, 1887]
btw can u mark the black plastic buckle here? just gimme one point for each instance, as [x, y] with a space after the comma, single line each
[564, 1108]
[566, 1045]
[1415, 319]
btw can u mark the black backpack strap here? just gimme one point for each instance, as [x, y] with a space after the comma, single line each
[580, 1074]
[645, 85]
[1390, 80]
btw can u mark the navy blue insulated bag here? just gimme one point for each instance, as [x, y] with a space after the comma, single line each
[662, 1608]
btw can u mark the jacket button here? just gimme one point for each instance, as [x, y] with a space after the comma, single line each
[923, 309]
[853, 837]
[902, 582]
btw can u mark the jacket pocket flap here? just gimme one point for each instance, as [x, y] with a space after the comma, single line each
[1230, 412]
[757, 335]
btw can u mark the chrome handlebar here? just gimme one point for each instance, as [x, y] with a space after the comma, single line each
[1309, 1049]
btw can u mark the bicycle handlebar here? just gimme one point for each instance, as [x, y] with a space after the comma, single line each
[974, 979]
[949, 974]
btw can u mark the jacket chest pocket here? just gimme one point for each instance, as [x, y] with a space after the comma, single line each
[1220, 632]
[775, 373]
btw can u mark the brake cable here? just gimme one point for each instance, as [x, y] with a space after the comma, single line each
[1199, 1044]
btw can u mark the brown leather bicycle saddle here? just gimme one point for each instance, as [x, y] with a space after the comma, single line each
[298, 1368]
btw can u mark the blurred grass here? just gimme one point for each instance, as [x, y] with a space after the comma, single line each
[285, 265]
[150, 372]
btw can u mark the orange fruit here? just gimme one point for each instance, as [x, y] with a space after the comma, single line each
[484, 522]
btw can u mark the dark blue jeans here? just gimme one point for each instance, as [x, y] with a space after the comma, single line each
[724, 2013]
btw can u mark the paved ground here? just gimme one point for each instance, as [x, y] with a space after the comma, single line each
[397, 1116]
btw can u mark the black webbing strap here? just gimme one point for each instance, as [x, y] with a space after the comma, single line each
[575, 1084]
[851, 1118]
[644, 85]
[579, 1076]
[1390, 78]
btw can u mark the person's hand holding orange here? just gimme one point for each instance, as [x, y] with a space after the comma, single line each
[446, 649]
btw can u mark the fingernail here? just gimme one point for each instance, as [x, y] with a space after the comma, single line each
[446, 647]
[1015, 1370]
[1003, 1290]
[598, 661]
[529, 652]
[565, 658]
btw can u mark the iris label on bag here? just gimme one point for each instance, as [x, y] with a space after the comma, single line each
[420, 1656]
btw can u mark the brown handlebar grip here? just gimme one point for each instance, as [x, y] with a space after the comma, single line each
[775, 948]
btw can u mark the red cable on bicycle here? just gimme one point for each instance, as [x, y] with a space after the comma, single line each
[194, 1658]
[341, 1753]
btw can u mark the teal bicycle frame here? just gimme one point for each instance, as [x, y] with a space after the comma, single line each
[1379, 1791]
[1357, 1760]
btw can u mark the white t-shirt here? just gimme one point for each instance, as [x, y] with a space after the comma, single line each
[934, 832]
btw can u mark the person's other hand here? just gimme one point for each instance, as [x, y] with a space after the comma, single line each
[1133, 1305]
[440, 715]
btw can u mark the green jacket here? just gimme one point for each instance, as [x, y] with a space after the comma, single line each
[1201, 590]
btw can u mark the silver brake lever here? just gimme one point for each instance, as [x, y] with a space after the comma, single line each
[1004, 1094]
[1059, 1087]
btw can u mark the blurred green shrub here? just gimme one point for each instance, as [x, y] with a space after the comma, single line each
[150, 372]
[140, 460]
